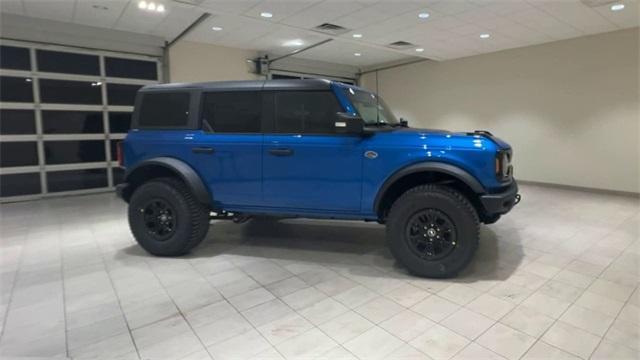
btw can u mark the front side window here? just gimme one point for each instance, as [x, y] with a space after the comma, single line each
[232, 112]
[164, 110]
[371, 108]
[309, 112]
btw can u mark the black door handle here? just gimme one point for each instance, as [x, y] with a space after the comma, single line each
[281, 152]
[203, 150]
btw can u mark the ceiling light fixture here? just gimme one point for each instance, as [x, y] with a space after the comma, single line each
[216, 28]
[357, 36]
[151, 6]
[357, 54]
[485, 36]
[424, 15]
[419, 49]
[294, 42]
[617, 7]
[266, 15]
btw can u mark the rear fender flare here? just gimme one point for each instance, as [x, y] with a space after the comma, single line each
[185, 172]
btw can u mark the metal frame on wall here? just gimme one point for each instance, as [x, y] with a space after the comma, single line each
[40, 137]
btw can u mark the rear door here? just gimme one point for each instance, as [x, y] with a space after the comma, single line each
[229, 147]
[306, 165]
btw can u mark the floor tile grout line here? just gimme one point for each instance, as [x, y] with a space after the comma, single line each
[13, 287]
[177, 308]
[571, 303]
[113, 287]
[64, 301]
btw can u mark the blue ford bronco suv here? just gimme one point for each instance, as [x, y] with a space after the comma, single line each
[313, 149]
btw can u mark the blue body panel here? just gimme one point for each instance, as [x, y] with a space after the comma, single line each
[327, 176]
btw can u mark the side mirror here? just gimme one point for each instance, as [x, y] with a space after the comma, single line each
[346, 123]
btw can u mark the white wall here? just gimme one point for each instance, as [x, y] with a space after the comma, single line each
[192, 62]
[570, 109]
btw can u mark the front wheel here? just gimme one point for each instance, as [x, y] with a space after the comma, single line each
[433, 230]
[165, 218]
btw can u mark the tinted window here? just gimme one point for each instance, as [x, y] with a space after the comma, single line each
[21, 153]
[236, 112]
[72, 122]
[69, 63]
[119, 122]
[12, 57]
[118, 175]
[70, 92]
[306, 112]
[164, 110]
[76, 179]
[119, 94]
[127, 68]
[17, 122]
[19, 184]
[68, 152]
[18, 89]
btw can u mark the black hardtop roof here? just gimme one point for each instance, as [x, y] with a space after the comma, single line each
[306, 84]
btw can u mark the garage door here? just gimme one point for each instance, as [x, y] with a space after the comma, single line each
[62, 110]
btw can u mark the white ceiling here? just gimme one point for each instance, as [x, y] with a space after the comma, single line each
[451, 31]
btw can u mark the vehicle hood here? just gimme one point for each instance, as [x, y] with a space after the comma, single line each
[460, 138]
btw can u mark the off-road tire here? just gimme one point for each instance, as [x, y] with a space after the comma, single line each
[451, 203]
[191, 217]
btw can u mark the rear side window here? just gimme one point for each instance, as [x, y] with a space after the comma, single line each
[232, 112]
[164, 110]
[309, 112]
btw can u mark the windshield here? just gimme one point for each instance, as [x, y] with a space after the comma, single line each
[370, 107]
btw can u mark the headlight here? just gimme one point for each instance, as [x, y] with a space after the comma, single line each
[504, 169]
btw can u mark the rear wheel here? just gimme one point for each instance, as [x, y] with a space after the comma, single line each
[433, 230]
[165, 218]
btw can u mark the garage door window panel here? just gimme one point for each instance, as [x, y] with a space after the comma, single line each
[15, 58]
[72, 122]
[71, 152]
[18, 153]
[70, 180]
[122, 94]
[67, 63]
[20, 184]
[16, 89]
[70, 92]
[130, 68]
[119, 122]
[17, 122]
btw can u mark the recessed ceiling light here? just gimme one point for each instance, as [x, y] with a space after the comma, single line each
[357, 36]
[294, 42]
[266, 15]
[617, 7]
[142, 5]
[160, 8]
[485, 36]
[424, 15]
[419, 49]
[216, 28]
[357, 54]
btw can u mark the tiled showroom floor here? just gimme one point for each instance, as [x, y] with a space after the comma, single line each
[557, 278]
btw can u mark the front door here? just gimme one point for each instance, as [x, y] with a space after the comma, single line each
[306, 165]
[229, 149]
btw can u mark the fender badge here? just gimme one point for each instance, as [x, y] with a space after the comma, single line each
[370, 154]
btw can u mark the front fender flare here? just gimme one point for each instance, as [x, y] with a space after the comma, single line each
[180, 168]
[430, 166]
